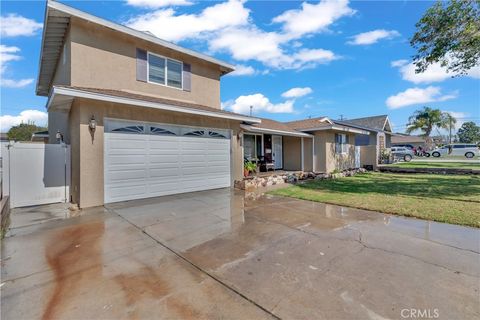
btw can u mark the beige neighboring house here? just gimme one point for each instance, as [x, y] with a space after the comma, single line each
[332, 144]
[379, 138]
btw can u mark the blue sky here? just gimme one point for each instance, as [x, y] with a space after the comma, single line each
[341, 58]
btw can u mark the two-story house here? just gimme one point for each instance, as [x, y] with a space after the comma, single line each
[143, 115]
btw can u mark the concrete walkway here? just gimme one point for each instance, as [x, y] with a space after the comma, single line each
[219, 254]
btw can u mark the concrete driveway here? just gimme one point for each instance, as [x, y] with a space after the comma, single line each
[218, 254]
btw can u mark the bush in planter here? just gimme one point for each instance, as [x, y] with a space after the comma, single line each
[249, 167]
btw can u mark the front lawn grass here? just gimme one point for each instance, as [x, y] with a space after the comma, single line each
[437, 164]
[445, 198]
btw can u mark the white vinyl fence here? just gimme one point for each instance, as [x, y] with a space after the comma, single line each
[35, 173]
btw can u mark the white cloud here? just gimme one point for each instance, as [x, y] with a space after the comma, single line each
[259, 103]
[153, 4]
[167, 25]
[38, 117]
[8, 54]
[227, 27]
[313, 18]
[417, 96]
[460, 116]
[434, 73]
[297, 92]
[9, 83]
[254, 44]
[242, 70]
[372, 37]
[13, 25]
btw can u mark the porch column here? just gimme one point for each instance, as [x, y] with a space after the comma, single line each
[313, 155]
[302, 156]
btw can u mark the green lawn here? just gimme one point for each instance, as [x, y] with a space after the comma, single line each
[438, 164]
[444, 198]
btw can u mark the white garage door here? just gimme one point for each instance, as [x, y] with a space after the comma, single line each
[145, 160]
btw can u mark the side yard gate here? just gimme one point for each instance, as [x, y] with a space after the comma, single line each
[35, 173]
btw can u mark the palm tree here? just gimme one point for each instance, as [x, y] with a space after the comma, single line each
[427, 119]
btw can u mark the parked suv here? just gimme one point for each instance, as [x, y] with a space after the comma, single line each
[457, 149]
[402, 153]
[408, 146]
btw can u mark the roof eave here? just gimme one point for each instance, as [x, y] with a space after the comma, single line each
[337, 128]
[69, 94]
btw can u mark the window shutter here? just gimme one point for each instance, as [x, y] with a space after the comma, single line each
[187, 77]
[142, 65]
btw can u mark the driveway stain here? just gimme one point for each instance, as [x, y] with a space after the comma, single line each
[75, 257]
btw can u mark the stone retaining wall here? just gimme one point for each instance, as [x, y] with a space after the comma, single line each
[253, 182]
[429, 170]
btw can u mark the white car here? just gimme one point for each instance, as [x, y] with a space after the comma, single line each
[457, 149]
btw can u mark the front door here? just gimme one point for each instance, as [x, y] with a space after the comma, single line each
[277, 153]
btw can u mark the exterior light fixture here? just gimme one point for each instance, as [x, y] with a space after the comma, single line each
[92, 124]
[59, 136]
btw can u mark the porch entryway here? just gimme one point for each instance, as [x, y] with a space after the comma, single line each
[265, 150]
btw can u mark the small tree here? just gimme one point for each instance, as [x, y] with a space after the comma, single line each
[23, 131]
[449, 33]
[469, 132]
[427, 119]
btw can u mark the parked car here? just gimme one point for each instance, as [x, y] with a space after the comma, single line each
[402, 153]
[408, 146]
[457, 149]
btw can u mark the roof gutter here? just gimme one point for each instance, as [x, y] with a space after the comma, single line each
[58, 91]
[338, 128]
[270, 131]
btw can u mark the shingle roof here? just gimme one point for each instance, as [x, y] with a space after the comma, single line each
[307, 123]
[147, 98]
[375, 122]
[274, 125]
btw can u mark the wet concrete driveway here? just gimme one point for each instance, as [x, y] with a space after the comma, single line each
[219, 254]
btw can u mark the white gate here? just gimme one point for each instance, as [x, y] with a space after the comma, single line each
[36, 173]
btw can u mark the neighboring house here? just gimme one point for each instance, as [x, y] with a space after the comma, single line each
[332, 145]
[40, 136]
[3, 136]
[402, 139]
[371, 145]
[142, 115]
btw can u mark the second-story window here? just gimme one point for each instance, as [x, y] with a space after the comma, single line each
[164, 71]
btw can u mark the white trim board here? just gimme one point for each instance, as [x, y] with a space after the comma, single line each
[272, 131]
[75, 93]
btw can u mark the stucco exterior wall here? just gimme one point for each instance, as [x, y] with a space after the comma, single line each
[103, 58]
[62, 72]
[307, 154]
[326, 160]
[368, 156]
[58, 121]
[90, 180]
[292, 153]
